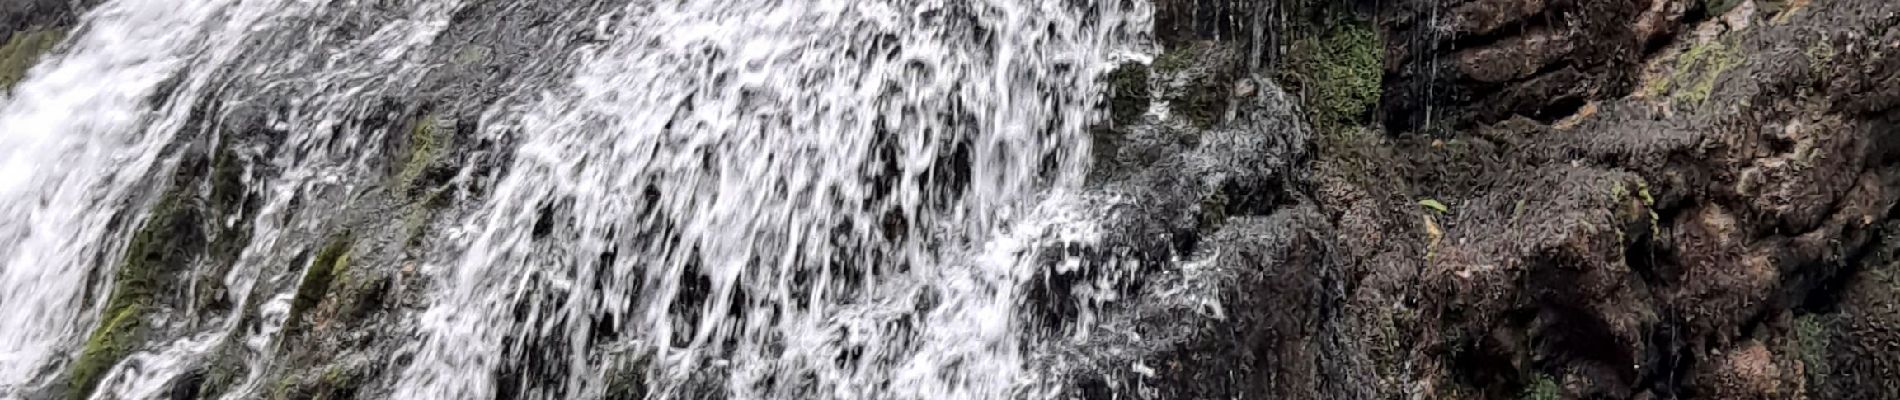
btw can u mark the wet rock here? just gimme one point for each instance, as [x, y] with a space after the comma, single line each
[1196, 81]
[1750, 371]
[1456, 63]
[19, 16]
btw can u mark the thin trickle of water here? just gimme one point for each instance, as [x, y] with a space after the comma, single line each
[780, 199]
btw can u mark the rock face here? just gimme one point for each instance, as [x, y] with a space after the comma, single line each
[1569, 199]
[1453, 63]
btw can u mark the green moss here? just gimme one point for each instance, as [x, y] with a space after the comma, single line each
[1811, 337]
[1697, 71]
[427, 144]
[284, 389]
[224, 371]
[163, 246]
[1338, 74]
[112, 341]
[1821, 59]
[1129, 94]
[337, 382]
[22, 51]
[331, 262]
[1542, 387]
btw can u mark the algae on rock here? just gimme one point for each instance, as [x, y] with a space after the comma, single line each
[330, 263]
[22, 51]
[1696, 73]
[426, 145]
[165, 245]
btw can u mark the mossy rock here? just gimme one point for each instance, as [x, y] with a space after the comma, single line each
[1696, 72]
[428, 143]
[1542, 387]
[1129, 93]
[112, 341]
[22, 51]
[1198, 81]
[331, 262]
[224, 370]
[422, 181]
[337, 381]
[165, 246]
[1338, 73]
[1811, 338]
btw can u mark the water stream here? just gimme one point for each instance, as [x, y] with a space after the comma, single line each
[751, 199]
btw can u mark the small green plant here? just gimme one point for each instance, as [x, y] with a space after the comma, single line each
[1542, 387]
[1811, 336]
[1435, 205]
[1338, 74]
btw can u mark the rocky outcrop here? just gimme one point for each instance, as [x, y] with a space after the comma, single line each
[1453, 63]
[1647, 199]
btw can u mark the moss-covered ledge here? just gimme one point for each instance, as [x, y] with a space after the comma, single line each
[164, 246]
[331, 262]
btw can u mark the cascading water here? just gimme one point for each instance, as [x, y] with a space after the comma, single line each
[750, 199]
[797, 194]
[73, 150]
[160, 61]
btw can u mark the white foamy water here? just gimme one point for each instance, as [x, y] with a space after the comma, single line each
[752, 199]
[777, 199]
[85, 135]
[77, 139]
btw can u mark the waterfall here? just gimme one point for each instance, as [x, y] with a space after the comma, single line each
[73, 151]
[798, 194]
[743, 199]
